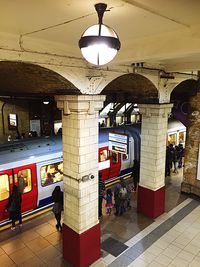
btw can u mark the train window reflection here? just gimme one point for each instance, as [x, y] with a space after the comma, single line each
[4, 187]
[172, 139]
[181, 137]
[24, 180]
[103, 155]
[125, 156]
[51, 173]
[114, 157]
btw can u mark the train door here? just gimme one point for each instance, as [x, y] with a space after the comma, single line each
[25, 176]
[104, 162]
[115, 164]
[50, 174]
[6, 182]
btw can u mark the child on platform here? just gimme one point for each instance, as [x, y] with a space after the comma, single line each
[109, 203]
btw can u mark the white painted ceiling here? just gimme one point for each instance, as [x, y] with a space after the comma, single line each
[157, 32]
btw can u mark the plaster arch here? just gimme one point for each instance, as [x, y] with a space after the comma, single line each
[180, 97]
[129, 88]
[22, 78]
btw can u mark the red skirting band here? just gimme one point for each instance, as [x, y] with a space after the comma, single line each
[81, 250]
[151, 203]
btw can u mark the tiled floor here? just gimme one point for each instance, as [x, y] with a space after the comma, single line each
[130, 240]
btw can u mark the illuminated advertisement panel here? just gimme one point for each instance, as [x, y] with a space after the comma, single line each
[118, 143]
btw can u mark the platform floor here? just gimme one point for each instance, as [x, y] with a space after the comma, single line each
[173, 239]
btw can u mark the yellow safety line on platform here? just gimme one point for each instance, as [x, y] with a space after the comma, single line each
[118, 180]
[31, 216]
[48, 209]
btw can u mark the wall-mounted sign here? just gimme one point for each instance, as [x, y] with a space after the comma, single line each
[118, 142]
[198, 165]
[12, 121]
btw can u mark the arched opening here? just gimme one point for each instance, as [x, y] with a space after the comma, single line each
[20, 78]
[27, 93]
[180, 97]
[133, 88]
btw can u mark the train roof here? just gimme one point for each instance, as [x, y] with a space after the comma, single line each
[38, 149]
[29, 148]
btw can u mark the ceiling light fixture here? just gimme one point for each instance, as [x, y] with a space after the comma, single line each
[99, 43]
[46, 102]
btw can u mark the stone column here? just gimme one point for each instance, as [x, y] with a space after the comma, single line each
[151, 190]
[191, 175]
[81, 229]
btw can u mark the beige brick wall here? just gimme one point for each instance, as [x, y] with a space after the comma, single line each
[80, 157]
[153, 145]
[22, 112]
[190, 183]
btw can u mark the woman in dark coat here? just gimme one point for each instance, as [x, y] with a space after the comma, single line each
[14, 207]
[57, 197]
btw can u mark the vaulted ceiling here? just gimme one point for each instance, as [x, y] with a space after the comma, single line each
[157, 32]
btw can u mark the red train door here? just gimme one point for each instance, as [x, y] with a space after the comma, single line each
[6, 182]
[27, 174]
[115, 164]
[104, 162]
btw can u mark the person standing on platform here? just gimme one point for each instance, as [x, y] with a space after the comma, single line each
[14, 207]
[136, 174]
[117, 198]
[57, 197]
[109, 202]
[21, 184]
[101, 193]
[123, 195]
[168, 161]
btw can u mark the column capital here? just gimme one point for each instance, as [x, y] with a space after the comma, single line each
[80, 103]
[155, 110]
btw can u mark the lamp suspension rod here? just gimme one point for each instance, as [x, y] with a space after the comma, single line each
[100, 9]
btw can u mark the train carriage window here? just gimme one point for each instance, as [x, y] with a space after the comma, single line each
[172, 139]
[103, 155]
[4, 187]
[51, 173]
[24, 180]
[181, 137]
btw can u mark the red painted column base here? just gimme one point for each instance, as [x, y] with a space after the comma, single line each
[81, 250]
[151, 203]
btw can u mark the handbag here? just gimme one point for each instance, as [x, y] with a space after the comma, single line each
[12, 206]
[57, 207]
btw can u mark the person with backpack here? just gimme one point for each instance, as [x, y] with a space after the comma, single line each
[123, 194]
[14, 207]
[117, 198]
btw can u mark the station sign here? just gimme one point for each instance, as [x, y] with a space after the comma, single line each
[118, 142]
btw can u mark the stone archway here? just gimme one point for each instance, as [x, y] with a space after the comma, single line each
[23, 86]
[20, 78]
[133, 88]
[180, 97]
[191, 173]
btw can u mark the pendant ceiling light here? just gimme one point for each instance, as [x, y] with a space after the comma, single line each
[99, 43]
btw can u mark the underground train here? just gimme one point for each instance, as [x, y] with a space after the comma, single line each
[39, 162]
